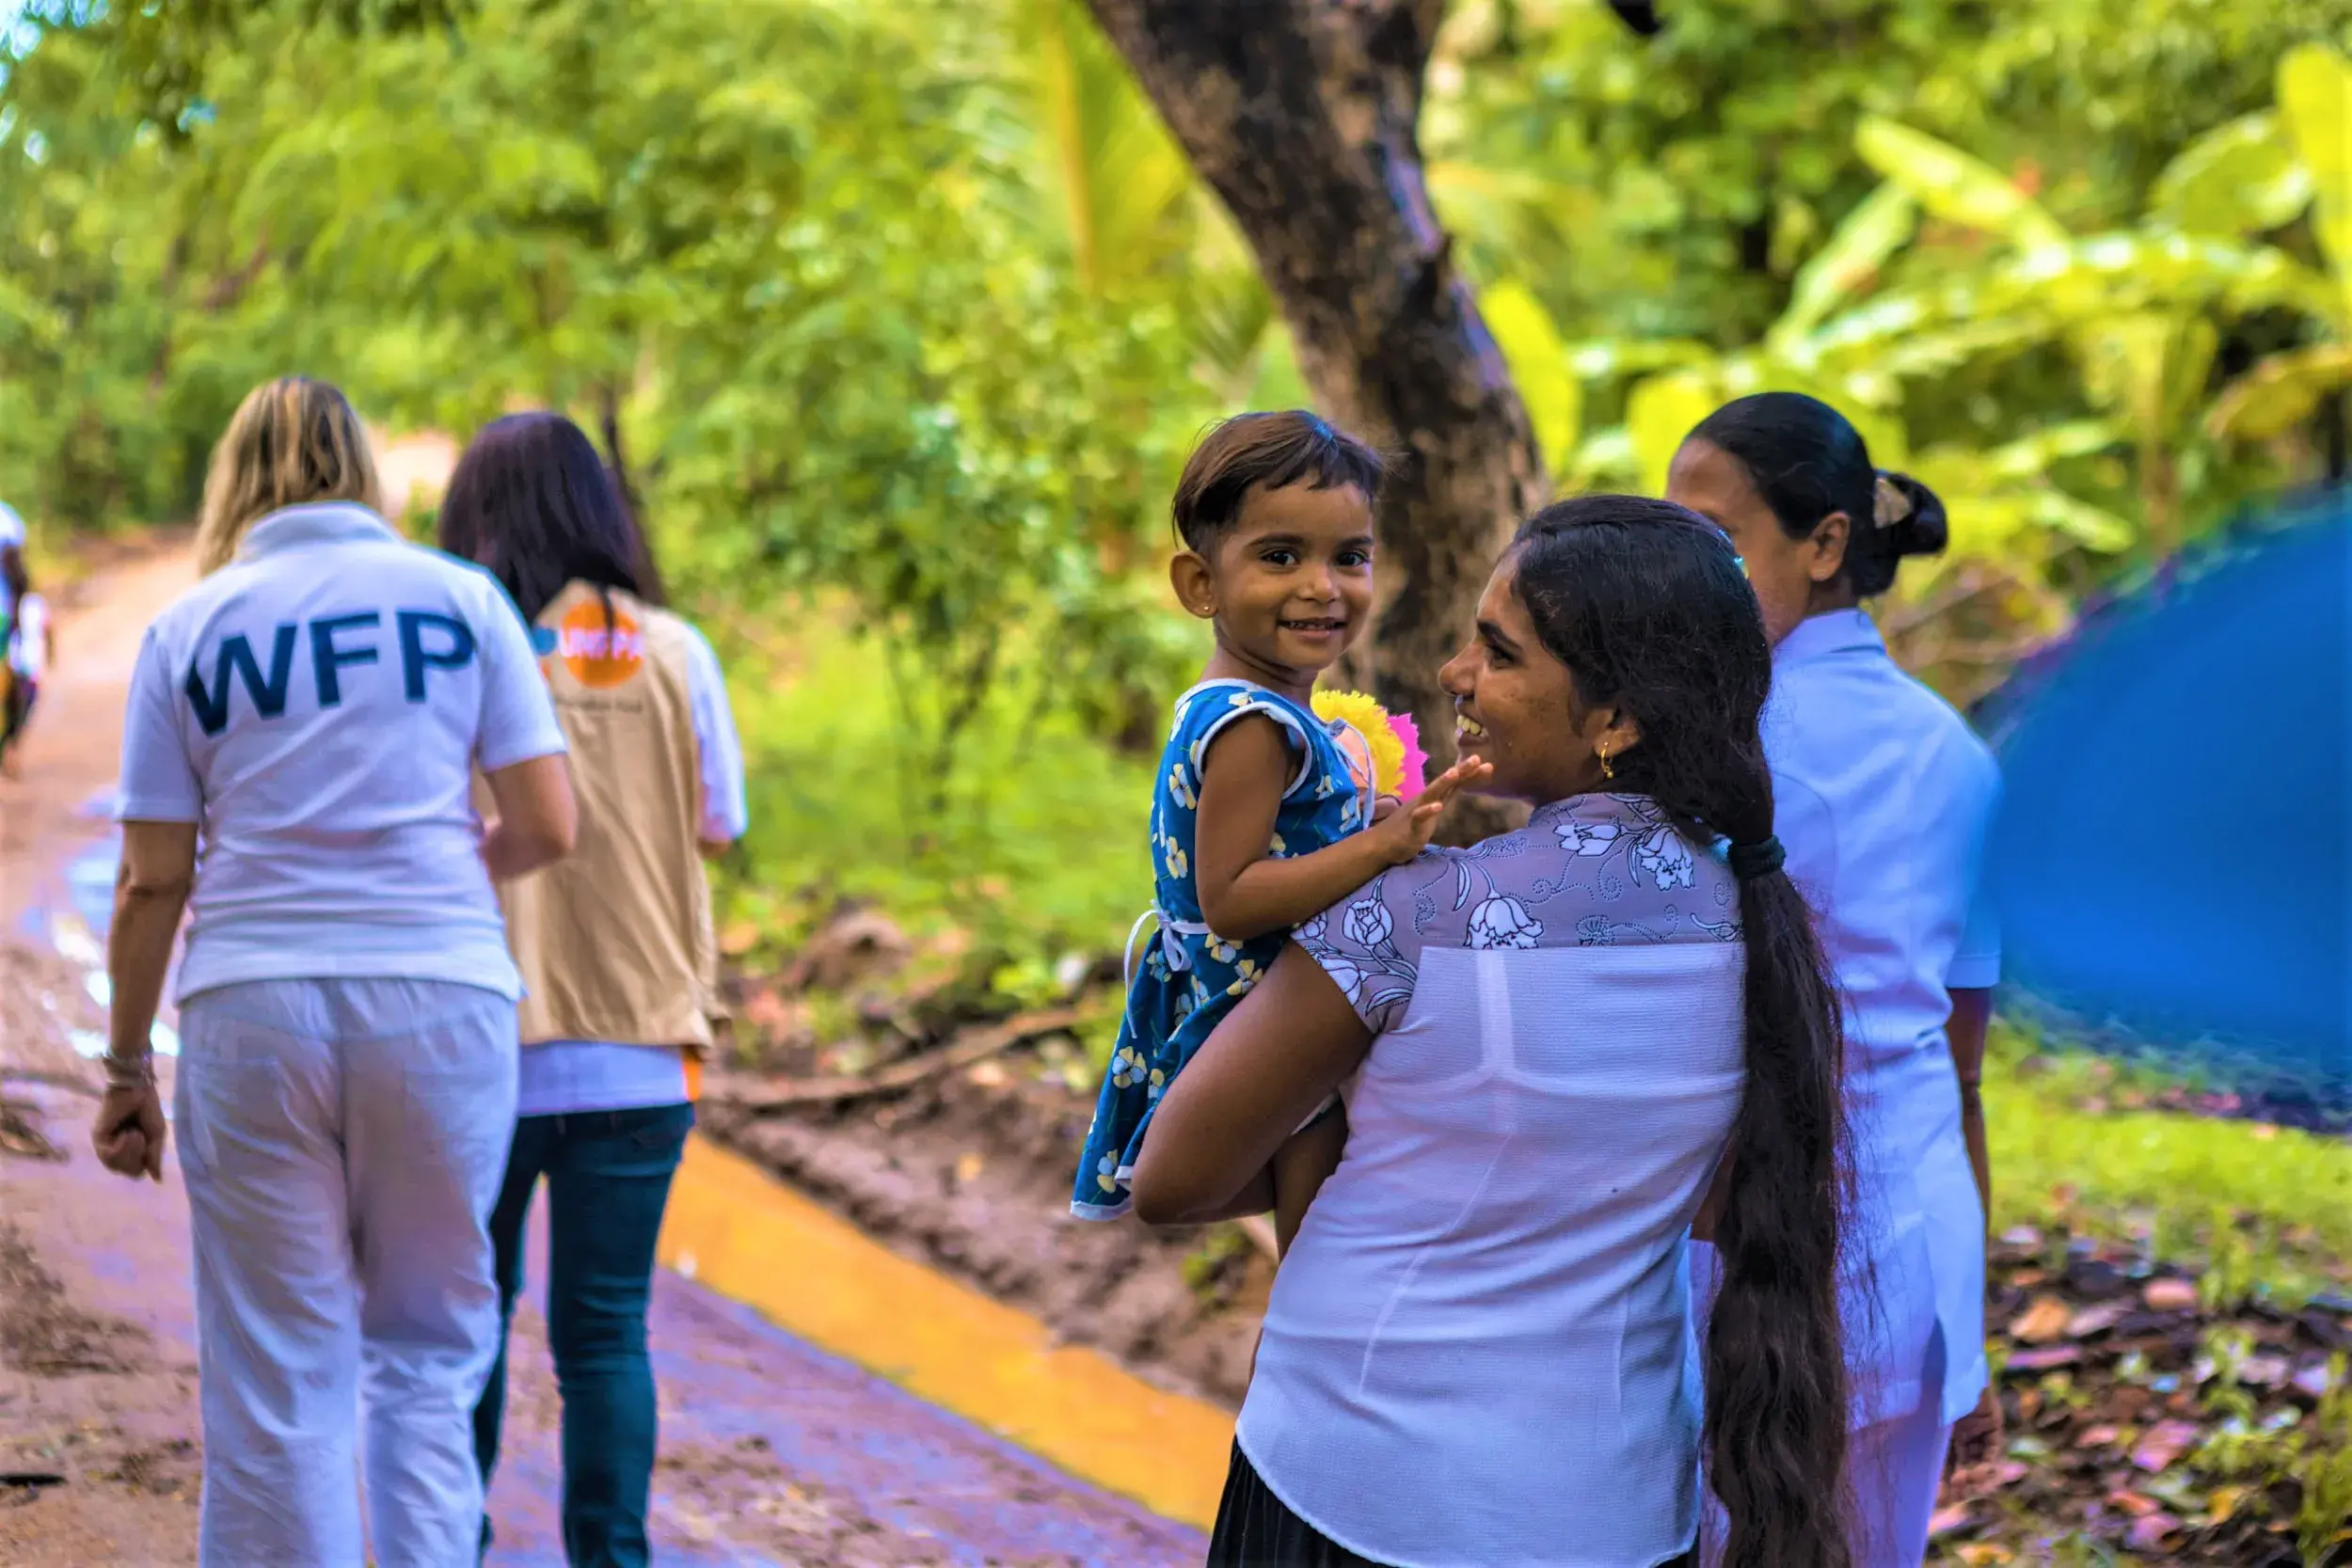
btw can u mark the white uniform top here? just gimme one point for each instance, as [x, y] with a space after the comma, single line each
[1478, 1354]
[1883, 799]
[12, 533]
[28, 639]
[318, 707]
[563, 1077]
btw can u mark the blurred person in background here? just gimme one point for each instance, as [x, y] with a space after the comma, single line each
[11, 571]
[28, 645]
[11, 549]
[312, 713]
[1882, 796]
[616, 945]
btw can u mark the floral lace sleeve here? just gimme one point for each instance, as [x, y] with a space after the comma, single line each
[1368, 942]
[1595, 871]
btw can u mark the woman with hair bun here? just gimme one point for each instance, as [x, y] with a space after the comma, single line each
[1883, 796]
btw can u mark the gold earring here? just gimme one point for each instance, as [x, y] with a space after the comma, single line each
[1607, 772]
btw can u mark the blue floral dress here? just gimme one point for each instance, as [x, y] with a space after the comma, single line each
[1190, 977]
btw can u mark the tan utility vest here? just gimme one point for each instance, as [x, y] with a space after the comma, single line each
[615, 942]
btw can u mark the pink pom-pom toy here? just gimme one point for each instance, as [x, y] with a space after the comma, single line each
[1415, 767]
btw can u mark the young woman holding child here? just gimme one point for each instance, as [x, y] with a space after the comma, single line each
[1574, 1041]
[1882, 798]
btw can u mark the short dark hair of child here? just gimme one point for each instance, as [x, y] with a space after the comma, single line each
[1277, 450]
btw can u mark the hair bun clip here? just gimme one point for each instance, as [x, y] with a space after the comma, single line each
[1888, 505]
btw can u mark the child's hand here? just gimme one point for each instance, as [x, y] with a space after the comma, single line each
[1405, 833]
[1386, 807]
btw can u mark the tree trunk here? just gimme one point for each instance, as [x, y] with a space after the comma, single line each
[1301, 115]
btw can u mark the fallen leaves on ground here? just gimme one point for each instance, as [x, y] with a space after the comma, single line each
[2146, 1424]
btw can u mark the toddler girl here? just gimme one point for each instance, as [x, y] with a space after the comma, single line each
[1260, 818]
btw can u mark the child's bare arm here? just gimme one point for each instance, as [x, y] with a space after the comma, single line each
[1245, 892]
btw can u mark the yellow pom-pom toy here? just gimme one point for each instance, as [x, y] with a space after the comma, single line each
[1393, 743]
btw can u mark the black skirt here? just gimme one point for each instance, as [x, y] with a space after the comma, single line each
[1255, 1529]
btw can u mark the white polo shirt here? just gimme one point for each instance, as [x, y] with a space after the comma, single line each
[12, 533]
[28, 639]
[317, 709]
[1883, 799]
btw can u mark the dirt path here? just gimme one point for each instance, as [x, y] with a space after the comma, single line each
[773, 1451]
[97, 1376]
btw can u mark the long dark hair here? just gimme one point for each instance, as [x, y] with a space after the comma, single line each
[1807, 460]
[1648, 606]
[532, 503]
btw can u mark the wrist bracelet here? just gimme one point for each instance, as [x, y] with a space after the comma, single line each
[128, 1073]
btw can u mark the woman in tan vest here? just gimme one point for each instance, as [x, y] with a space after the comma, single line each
[616, 946]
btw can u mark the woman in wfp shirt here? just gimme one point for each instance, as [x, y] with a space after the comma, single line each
[312, 713]
[615, 943]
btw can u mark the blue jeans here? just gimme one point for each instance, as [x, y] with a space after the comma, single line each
[608, 1182]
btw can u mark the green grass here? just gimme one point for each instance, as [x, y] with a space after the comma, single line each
[2260, 1209]
[1034, 846]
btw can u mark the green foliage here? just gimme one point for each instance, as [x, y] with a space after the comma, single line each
[114, 376]
[1210, 1266]
[1930, 214]
[910, 310]
[809, 305]
[1689, 175]
[1031, 843]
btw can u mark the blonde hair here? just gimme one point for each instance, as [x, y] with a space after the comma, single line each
[291, 440]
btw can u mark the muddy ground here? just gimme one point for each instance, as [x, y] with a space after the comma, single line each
[2144, 1422]
[772, 1453]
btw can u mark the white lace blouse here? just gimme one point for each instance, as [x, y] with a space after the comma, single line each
[1478, 1354]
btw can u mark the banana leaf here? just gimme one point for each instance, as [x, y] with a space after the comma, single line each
[2281, 391]
[2242, 178]
[1532, 346]
[1954, 185]
[2315, 99]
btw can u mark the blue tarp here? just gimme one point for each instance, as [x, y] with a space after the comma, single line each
[2174, 855]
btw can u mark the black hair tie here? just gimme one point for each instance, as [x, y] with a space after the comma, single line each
[1761, 859]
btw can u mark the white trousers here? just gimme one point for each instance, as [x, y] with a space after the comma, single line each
[343, 1142]
[1894, 1468]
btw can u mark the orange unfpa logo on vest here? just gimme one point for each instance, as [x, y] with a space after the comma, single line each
[599, 654]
